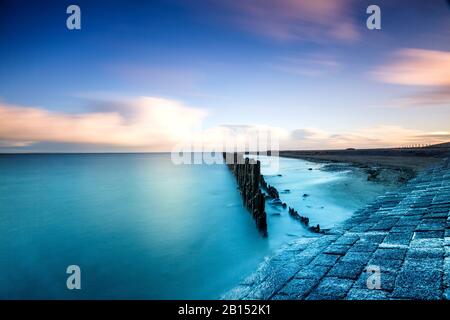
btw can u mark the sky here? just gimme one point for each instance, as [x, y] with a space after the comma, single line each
[149, 75]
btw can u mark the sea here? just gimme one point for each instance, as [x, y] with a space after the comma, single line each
[139, 226]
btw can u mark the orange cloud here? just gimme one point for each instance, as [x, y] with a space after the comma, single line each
[417, 67]
[151, 122]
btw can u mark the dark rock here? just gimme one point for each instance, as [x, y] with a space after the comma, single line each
[304, 220]
[373, 174]
[276, 202]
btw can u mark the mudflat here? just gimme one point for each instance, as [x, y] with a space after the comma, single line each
[401, 164]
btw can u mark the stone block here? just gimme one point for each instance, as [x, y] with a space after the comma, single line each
[299, 288]
[390, 253]
[366, 294]
[324, 259]
[312, 272]
[335, 288]
[402, 238]
[337, 249]
[428, 234]
[346, 270]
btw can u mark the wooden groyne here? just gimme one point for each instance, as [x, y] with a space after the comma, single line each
[271, 191]
[248, 175]
[250, 182]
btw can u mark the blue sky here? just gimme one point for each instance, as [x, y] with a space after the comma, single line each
[310, 67]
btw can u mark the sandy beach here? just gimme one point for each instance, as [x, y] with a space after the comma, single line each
[387, 165]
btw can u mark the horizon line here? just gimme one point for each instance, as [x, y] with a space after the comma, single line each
[168, 152]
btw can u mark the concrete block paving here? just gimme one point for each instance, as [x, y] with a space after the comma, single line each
[403, 234]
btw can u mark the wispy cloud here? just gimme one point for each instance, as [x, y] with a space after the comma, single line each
[295, 20]
[311, 66]
[167, 78]
[436, 96]
[429, 69]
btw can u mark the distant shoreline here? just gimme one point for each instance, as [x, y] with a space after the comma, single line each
[391, 165]
[381, 165]
[433, 151]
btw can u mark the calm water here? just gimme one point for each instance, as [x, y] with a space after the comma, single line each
[140, 227]
[331, 197]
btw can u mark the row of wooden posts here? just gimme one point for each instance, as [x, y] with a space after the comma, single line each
[250, 182]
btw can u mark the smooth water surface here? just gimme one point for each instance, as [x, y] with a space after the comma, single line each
[325, 197]
[140, 227]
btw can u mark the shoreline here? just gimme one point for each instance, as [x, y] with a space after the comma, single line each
[388, 166]
[387, 175]
[393, 232]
